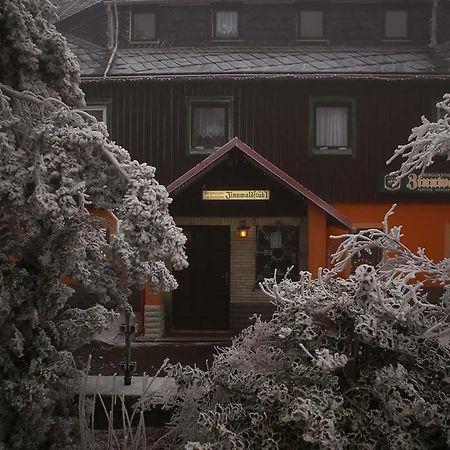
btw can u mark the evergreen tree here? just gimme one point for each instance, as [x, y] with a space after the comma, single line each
[56, 165]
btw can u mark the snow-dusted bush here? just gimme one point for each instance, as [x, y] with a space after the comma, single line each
[56, 165]
[344, 363]
[361, 362]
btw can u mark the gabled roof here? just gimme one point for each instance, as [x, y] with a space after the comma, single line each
[274, 171]
[260, 61]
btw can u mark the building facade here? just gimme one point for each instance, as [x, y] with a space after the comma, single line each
[273, 119]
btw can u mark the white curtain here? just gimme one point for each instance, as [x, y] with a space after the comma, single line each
[332, 126]
[209, 122]
[227, 23]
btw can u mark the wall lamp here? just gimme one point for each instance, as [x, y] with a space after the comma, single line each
[243, 229]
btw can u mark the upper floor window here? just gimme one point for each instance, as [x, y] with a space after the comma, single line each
[101, 110]
[332, 126]
[226, 24]
[310, 25]
[209, 123]
[396, 24]
[143, 26]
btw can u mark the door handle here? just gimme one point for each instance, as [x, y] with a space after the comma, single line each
[226, 277]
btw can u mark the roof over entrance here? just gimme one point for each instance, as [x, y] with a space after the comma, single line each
[274, 171]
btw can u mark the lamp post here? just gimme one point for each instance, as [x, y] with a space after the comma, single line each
[128, 329]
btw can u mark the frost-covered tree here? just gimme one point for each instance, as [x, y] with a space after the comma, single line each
[56, 166]
[361, 362]
[426, 141]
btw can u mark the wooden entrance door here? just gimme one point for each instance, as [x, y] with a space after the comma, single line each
[202, 300]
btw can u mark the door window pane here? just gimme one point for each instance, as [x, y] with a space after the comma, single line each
[396, 24]
[227, 24]
[276, 249]
[311, 24]
[144, 26]
[332, 126]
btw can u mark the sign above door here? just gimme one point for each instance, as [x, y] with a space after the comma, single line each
[236, 195]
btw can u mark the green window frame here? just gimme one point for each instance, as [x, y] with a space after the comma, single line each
[329, 102]
[97, 107]
[194, 105]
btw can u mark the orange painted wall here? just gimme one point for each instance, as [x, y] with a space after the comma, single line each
[424, 225]
[150, 297]
[110, 219]
[317, 238]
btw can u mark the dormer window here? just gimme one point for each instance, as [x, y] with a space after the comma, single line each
[310, 25]
[226, 24]
[396, 24]
[143, 26]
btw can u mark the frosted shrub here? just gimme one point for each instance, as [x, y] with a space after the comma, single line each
[57, 165]
[361, 362]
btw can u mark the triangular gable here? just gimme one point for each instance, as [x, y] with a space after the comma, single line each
[209, 162]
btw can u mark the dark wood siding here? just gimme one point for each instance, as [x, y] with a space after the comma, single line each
[149, 120]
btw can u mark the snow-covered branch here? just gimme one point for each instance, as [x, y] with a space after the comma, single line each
[426, 141]
[398, 261]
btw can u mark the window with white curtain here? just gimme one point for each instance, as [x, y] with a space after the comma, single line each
[332, 127]
[101, 111]
[209, 123]
[226, 24]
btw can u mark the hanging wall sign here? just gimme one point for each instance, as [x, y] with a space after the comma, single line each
[430, 183]
[236, 195]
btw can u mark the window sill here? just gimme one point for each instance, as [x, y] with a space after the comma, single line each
[396, 40]
[332, 152]
[312, 41]
[204, 151]
[149, 41]
[227, 40]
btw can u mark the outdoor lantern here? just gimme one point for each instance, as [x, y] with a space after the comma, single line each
[243, 229]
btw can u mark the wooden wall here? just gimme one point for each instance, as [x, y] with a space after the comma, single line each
[149, 120]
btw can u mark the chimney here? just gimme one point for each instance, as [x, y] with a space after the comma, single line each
[433, 23]
[110, 27]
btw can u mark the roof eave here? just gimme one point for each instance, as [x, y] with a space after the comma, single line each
[271, 76]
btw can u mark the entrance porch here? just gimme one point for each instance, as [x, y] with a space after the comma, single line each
[286, 226]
